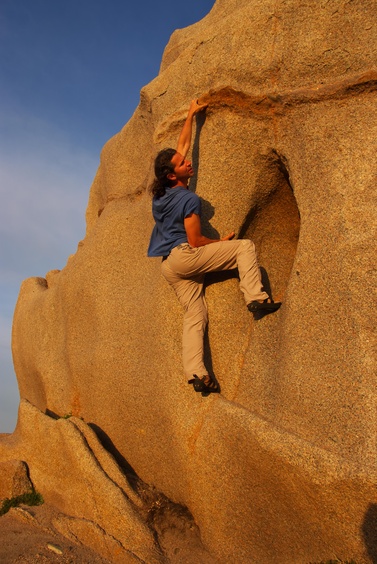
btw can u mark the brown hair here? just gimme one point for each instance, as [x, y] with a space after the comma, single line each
[162, 167]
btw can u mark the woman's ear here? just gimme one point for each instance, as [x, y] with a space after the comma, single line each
[171, 176]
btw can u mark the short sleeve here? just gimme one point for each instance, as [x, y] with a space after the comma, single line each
[192, 205]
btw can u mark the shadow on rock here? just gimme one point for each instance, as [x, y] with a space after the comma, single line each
[369, 530]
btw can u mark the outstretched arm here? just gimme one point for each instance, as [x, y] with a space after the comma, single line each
[184, 140]
[194, 232]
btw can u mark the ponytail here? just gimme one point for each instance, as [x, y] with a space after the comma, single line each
[162, 167]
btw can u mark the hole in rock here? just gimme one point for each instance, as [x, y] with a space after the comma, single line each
[273, 223]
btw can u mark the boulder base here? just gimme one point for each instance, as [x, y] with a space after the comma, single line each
[281, 466]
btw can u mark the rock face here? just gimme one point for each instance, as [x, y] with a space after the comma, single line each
[281, 466]
[14, 480]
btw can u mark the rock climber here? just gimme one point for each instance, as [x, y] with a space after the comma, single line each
[188, 255]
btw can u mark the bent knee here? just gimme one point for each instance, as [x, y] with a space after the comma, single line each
[248, 244]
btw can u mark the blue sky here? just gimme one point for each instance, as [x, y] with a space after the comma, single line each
[70, 76]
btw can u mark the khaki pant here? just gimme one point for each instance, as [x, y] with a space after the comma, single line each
[185, 268]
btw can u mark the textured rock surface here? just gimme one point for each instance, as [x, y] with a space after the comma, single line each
[14, 479]
[27, 536]
[75, 474]
[281, 467]
[97, 506]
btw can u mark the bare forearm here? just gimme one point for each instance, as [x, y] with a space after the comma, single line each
[184, 141]
[201, 241]
[194, 232]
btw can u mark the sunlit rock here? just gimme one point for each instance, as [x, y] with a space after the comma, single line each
[281, 466]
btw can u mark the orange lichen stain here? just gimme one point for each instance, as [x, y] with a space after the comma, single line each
[76, 405]
[191, 443]
[274, 103]
[194, 436]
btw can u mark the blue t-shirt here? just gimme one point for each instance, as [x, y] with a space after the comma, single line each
[169, 212]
